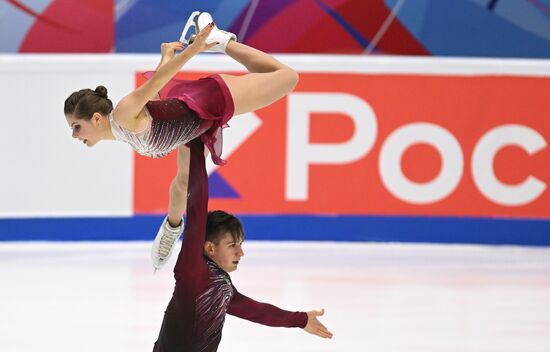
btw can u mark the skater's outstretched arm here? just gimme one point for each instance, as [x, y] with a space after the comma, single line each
[267, 314]
[167, 52]
[131, 105]
[178, 188]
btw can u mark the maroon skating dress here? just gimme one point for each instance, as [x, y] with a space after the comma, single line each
[204, 293]
[187, 109]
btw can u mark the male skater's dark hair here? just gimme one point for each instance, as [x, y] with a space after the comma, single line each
[219, 223]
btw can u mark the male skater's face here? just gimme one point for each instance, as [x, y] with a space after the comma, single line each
[227, 253]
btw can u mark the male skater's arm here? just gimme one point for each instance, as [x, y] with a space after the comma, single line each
[197, 211]
[267, 314]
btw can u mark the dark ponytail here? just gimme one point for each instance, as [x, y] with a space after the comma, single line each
[84, 103]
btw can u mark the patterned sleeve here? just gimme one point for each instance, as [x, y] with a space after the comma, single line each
[264, 313]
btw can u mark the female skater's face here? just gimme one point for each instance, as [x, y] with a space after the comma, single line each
[85, 130]
[226, 254]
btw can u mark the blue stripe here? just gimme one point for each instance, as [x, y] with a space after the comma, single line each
[492, 4]
[296, 227]
[341, 21]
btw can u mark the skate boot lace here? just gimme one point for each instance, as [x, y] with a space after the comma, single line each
[166, 243]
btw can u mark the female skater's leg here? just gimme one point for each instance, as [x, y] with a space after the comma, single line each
[178, 188]
[172, 227]
[255, 61]
[268, 81]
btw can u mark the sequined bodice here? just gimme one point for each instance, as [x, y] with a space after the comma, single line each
[170, 124]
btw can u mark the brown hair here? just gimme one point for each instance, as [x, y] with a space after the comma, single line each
[218, 223]
[84, 103]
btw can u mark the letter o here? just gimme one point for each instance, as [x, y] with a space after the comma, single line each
[452, 165]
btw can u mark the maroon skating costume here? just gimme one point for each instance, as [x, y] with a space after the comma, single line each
[204, 293]
[186, 110]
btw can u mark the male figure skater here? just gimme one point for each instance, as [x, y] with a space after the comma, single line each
[204, 293]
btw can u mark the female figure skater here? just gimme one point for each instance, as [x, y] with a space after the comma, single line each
[204, 292]
[165, 113]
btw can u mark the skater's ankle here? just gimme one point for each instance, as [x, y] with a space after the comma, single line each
[174, 223]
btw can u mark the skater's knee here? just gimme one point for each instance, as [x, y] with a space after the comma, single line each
[295, 78]
[292, 77]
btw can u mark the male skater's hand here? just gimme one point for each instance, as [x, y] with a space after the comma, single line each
[314, 326]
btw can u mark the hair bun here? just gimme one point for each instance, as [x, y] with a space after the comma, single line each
[101, 91]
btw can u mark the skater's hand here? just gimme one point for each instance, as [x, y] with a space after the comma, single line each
[199, 44]
[314, 326]
[168, 50]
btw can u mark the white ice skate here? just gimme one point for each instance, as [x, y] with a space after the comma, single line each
[197, 21]
[164, 243]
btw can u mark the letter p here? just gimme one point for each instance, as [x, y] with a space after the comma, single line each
[301, 153]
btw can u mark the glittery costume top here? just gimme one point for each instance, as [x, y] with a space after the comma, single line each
[163, 134]
[187, 109]
[204, 293]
